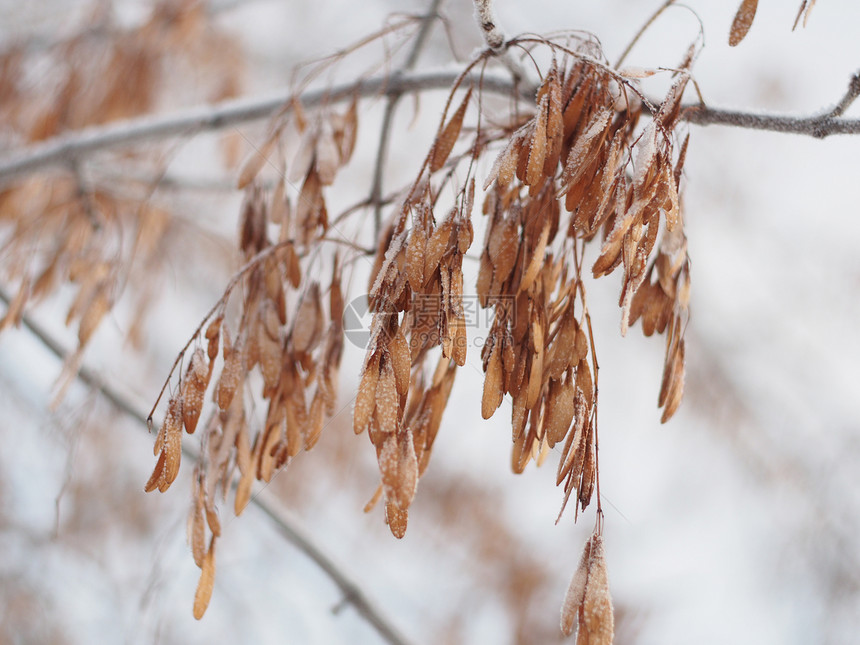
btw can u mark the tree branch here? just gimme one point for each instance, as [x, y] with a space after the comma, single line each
[66, 148]
[493, 36]
[264, 500]
[63, 150]
[819, 126]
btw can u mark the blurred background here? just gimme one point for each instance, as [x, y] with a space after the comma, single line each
[735, 522]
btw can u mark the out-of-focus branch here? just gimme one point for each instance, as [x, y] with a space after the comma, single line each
[75, 145]
[390, 107]
[264, 500]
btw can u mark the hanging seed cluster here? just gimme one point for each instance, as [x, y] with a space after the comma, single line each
[289, 333]
[72, 226]
[590, 170]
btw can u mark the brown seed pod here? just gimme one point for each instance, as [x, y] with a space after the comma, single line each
[448, 136]
[206, 583]
[194, 388]
[743, 21]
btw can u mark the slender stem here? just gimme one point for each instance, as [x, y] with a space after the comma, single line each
[851, 95]
[388, 116]
[642, 30]
[493, 36]
[264, 500]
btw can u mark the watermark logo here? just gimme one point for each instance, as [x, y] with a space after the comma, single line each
[358, 319]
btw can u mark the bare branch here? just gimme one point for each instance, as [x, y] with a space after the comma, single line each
[485, 15]
[66, 148]
[815, 126]
[850, 96]
[266, 501]
[63, 150]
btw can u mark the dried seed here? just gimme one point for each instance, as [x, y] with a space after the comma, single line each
[172, 442]
[197, 531]
[597, 604]
[537, 150]
[308, 322]
[575, 595]
[231, 376]
[316, 419]
[560, 410]
[448, 136]
[742, 22]
[206, 582]
[493, 392]
[396, 519]
[365, 400]
[193, 389]
[252, 166]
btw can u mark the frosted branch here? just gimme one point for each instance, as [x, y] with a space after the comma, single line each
[486, 18]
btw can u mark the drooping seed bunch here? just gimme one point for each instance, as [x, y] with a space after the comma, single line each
[296, 356]
[577, 173]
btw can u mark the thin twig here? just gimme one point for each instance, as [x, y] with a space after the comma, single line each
[388, 116]
[287, 526]
[642, 30]
[493, 36]
[851, 95]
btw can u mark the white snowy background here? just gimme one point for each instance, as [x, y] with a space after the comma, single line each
[737, 522]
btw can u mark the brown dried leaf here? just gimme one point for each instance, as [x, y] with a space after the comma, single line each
[197, 531]
[365, 399]
[327, 157]
[493, 384]
[397, 519]
[401, 361]
[254, 163]
[742, 22]
[213, 336]
[448, 137]
[597, 604]
[436, 246]
[415, 253]
[172, 442]
[156, 476]
[308, 323]
[193, 389]
[231, 376]
[575, 595]
[206, 582]
[243, 491]
[98, 307]
[560, 410]
[587, 601]
[537, 150]
[503, 248]
[387, 399]
[316, 420]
